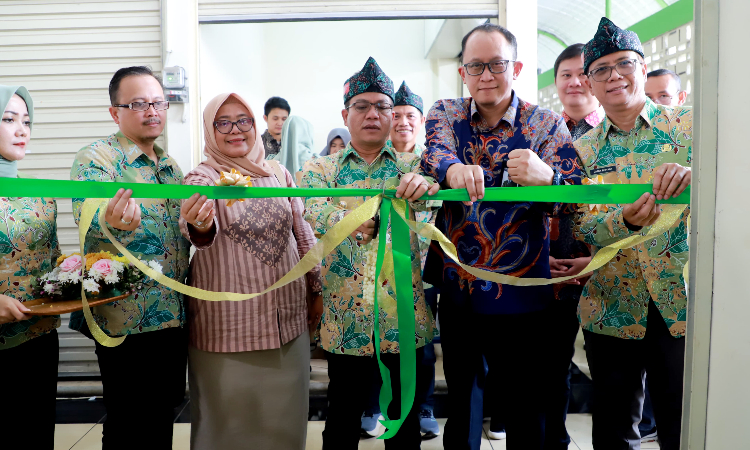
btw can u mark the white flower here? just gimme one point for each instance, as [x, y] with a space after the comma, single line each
[75, 278]
[112, 278]
[118, 266]
[95, 274]
[155, 266]
[50, 288]
[90, 285]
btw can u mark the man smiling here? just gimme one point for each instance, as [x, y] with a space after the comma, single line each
[484, 140]
[633, 310]
[408, 121]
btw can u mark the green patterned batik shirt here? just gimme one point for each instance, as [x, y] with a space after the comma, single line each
[28, 241]
[615, 300]
[347, 323]
[157, 238]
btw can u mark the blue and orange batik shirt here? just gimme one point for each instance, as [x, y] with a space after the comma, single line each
[511, 238]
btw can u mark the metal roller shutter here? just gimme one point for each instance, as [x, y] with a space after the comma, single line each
[219, 11]
[65, 53]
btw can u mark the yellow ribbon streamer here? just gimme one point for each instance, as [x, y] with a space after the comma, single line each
[669, 215]
[334, 237]
[324, 246]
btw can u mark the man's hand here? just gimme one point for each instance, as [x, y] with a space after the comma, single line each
[199, 212]
[568, 267]
[460, 176]
[526, 169]
[123, 213]
[11, 310]
[643, 212]
[671, 180]
[413, 186]
[363, 234]
[314, 313]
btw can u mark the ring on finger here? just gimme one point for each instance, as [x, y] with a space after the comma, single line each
[359, 236]
[126, 223]
[199, 223]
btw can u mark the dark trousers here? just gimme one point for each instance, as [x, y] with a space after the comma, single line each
[564, 330]
[144, 381]
[618, 368]
[467, 338]
[348, 398]
[28, 374]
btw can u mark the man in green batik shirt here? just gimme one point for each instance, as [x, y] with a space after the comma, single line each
[144, 377]
[368, 161]
[633, 309]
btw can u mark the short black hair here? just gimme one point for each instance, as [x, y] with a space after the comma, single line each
[114, 83]
[489, 28]
[276, 102]
[662, 72]
[573, 51]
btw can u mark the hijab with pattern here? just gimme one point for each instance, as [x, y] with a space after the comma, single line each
[253, 164]
[9, 169]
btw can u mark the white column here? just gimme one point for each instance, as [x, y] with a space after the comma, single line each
[717, 404]
[520, 17]
[180, 46]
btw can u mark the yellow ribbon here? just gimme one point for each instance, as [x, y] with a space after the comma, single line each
[324, 246]
[233, 178]
[669, 215]
[328, 242]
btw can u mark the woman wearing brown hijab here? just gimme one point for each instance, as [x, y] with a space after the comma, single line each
[248, 360]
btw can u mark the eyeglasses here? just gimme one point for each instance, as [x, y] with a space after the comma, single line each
[625, 67]
[663, 99]
[363, 106]
[144, 106]
[477, 68]
[225, 126]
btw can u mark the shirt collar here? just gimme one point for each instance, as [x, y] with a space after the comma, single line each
[647, 114]
[509, 117]
[594, 118]
[351, 151]
[133, 152]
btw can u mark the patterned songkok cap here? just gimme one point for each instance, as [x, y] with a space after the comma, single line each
[405, 96]
[370, 79]
[609, 38]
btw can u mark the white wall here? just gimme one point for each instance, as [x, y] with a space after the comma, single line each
[728, 410]
[521, 20]
[307, 63]
[180, 37]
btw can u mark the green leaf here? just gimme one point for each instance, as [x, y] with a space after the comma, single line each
[628, 171]
[662, 137]
[682, 315]
[619, 151]
[5, 245]
[21, 273]
[619, 320]
[391, 335]
[149, 245]
[153, 317]
[669, 322]
[347, 175]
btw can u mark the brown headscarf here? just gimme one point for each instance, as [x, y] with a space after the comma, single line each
[253, 164]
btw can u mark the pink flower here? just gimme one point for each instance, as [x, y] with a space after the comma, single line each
[71, 264]
[103, 266]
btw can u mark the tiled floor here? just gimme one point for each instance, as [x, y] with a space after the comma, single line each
[89, 437]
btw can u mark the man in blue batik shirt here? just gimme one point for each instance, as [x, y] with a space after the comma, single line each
[475, 143]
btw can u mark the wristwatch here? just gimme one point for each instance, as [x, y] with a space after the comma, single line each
[556, 178]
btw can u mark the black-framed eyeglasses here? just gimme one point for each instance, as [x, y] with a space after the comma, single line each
[624, 67]
[144, 106]
[225, 126]
[477, 68]
[363, 106]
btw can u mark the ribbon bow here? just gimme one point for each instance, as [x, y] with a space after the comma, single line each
[234, 178]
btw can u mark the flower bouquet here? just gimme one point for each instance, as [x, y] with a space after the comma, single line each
[105, 275]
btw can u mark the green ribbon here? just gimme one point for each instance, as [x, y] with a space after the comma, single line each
[596, 193]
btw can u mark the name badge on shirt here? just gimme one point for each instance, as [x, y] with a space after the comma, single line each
[601, 170]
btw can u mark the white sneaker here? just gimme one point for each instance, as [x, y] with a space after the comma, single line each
[651, 437]
[371, 424]
[496, 435]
